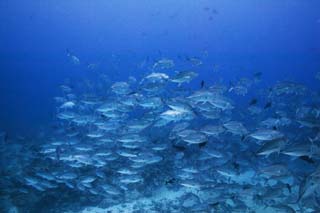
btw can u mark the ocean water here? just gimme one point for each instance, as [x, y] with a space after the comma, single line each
[160, 106]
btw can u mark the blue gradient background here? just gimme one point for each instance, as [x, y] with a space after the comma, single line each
[280, 38]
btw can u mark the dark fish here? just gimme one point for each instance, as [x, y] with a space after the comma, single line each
[202, 84]
[214, 204]
[179, 148]
[274, 128]
[307, 159]
[254, 101]
[170, 181]
[257, 74]
[201, 145]
[214, 11]
[288, 187]
[180, 57]
[132, 93]
[236, 165]
[245, 187]
[268, 105]
[69, 53]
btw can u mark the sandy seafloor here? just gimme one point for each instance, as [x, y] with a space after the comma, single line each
[169, 198]
[164, 196]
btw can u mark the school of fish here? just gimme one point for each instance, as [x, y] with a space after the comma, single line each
[228, 151]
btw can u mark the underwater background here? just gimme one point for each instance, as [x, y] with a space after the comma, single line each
[161, 68]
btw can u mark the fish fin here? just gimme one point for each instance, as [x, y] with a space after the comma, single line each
[311, 140]
[244, 137]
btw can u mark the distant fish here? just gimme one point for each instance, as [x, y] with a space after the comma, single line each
[201, 145]
[67, 105]
[184, 77]
[267, 135]
[75, 60]
[257, 74]
[307, 159]
[112, 138]
[214, 11]
[92, 66]
[179, 148]
[163, 64]
[194, 61]
[170, 181]
[254, 101]
[289, 187]
[268, 105]
[206, 8]
[202, 84]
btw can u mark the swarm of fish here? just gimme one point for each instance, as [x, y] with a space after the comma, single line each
[142, 136]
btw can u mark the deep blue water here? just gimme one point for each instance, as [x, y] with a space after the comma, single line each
[89, 119]
[278, 38]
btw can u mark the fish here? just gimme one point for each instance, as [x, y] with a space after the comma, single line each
[202, 84]
[68, 105]
[308, 186]
[241, 87]
[299, 150]
[268, 105]
[254, 101]
[163, 64]
[267, 135]
[194, 137]
[274, 170]
[307, 159]
[158, 138]
[75, 60]
[194, 61]
[236, 128]
[257, 74]
[184, 77]
[272, 146]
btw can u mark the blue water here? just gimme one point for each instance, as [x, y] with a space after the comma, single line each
[233, 39]
[278, 38]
